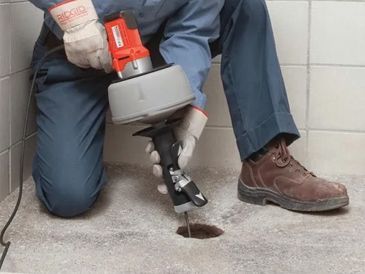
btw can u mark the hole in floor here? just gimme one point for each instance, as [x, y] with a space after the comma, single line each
[200, 231]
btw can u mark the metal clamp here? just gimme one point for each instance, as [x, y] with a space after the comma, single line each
[183, 183]
[180, 179]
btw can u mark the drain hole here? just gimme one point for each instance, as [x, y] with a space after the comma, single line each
[200, 231]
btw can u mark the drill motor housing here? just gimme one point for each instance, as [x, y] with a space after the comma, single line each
[129, 56]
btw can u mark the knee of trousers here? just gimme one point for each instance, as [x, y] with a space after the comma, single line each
[255, 9]
[68, 197]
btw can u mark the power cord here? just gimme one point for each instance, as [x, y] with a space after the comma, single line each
[6, 245]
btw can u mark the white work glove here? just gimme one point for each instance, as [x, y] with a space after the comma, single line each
[188, 133]
[84, 37]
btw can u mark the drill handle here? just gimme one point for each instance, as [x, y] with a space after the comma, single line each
[165, 144]
[183, 192]
[180, 184]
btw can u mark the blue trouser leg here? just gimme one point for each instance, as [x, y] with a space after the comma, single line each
[252, 78]
[72, 103]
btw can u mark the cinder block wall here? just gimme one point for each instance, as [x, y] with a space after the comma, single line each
[321, 49]
[320, 45]
[19, 25]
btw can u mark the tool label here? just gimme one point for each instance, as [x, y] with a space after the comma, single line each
[117, 37]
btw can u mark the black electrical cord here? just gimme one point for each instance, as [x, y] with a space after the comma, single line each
[6, 245]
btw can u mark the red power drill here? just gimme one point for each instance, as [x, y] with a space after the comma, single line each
[130, 57]
[148, 95]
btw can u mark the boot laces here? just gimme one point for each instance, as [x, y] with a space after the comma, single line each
[283, 158]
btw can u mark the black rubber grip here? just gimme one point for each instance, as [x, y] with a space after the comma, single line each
[164, 140]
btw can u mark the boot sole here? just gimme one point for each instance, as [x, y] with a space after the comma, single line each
[259, 196]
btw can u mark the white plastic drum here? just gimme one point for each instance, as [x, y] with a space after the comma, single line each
[150, 98]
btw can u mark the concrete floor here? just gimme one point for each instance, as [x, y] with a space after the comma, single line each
[132, 230]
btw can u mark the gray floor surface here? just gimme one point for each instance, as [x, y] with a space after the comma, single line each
[132, 229]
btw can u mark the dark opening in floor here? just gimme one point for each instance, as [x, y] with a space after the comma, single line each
[200, 231]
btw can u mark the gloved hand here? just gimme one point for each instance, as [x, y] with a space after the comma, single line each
[188, 133]
[84, 37]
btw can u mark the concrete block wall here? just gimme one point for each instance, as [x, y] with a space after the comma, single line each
[19, 25]
[321, 49]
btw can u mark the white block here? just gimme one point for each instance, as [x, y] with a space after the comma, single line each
[290, 24]
[5, 40]
[338, 32]
[336, 153]
[217, 148]
[26, 22]
[4, 175]
[4, 114]
[296, 85]
[337, 98]
[122, 147]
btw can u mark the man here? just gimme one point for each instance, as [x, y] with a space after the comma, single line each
[72, 98]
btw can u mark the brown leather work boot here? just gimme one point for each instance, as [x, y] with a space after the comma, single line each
[277, 177]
